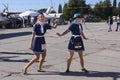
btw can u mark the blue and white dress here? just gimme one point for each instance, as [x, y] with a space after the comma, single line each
[76, 42]
[39, 43]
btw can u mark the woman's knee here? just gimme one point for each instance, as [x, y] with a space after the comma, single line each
[70, 57]
[43, 56]
[37, 56]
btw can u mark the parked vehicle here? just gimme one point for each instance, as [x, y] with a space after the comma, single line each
[4, 21]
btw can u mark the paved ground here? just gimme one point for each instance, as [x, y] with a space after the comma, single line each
[102, 55]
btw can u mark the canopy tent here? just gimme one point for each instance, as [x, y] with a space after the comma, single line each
[29, 13]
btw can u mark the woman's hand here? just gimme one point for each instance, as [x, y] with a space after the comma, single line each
[86, 38]
[59, 34]
[62, 34]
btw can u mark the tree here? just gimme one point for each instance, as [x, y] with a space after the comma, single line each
[88, 10]
[77, 6]
[74, 6]
[114, 3]
[42, 10]
[118, 9]
[98, 9]
[60, 8]
[119, 5]
[108, 8]
[114, 7]
[103, 9]
[66, 11]
[53, 11]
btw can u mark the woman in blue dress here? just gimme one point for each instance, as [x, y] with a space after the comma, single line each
[38, 44]
[76, 42]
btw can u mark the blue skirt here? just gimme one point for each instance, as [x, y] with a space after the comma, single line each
[39, 45]
[76, 44]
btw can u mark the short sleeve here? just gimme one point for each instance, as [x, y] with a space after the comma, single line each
[34, 29]
[70, 28]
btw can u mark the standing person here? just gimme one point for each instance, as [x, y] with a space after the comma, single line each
[38, 43]
[84, 19]
[76, 42]
[70, 20]
[110, 22]
[118, 23]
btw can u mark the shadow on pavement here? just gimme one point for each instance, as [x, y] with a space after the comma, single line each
[113, 75]
[95, 74]
[16, 53]
[10, 58]
[10, 35]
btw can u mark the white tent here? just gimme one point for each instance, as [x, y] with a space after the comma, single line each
[29, 13]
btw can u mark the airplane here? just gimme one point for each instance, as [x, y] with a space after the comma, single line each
[47, 14]
[53, 16]
[34, 13]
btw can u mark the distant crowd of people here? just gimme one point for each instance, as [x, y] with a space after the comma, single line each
[110, 23]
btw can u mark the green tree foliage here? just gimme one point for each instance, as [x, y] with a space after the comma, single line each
[118, 9]
[103, 9]
[42, 10]
[98, 9]
[114, 3]
[74, 6]
[88, 10]
[53, 11]
[114, 7]
[60, 8]
[108, 9]
[66, 11]
[119, 5]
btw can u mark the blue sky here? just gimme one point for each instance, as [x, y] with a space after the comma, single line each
[22, 5]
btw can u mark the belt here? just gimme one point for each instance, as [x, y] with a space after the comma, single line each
[76, 35]
[39, 35]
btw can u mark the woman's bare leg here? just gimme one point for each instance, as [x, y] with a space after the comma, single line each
[69, 61]
[42, 60]
[82, 61]
[34, 59]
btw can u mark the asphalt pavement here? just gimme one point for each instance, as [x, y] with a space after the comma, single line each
[101, 55]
